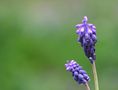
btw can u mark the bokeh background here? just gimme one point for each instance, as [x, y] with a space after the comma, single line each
[37, 37]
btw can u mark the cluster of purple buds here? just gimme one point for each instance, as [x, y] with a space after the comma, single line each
[87, 38]
[78, 73]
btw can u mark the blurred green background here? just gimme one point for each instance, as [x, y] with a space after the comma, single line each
[37, 37]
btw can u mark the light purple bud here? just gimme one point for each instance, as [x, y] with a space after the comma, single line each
[80, 76]
[82, 72]
[78, 26]
[76, 73]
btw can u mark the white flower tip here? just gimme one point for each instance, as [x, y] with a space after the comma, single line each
[85, 18]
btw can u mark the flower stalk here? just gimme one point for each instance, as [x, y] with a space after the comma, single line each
[95, 76]
[87, 86]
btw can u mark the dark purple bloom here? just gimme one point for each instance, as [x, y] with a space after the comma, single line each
[87, 38]
[78, 73]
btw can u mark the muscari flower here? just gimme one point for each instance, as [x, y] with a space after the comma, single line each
[87, 38]
[78, 73]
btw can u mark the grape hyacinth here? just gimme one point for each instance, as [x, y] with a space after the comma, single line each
[78, 73]
[87, 38]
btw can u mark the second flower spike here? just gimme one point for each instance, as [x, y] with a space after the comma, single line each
[78, 73]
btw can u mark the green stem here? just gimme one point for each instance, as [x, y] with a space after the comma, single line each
[95, 76]
[87, 86]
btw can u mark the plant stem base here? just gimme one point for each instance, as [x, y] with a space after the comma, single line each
[95, 76]
[87, 86]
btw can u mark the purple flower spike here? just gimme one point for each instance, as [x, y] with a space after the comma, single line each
[78, 73]
[87, 38]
